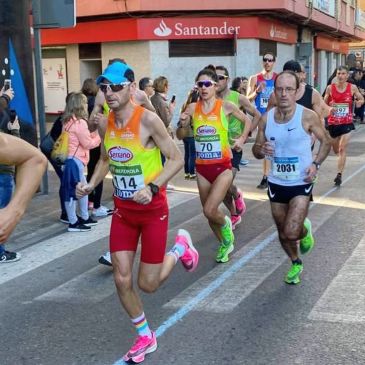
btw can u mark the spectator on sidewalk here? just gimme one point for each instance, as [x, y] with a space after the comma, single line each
[90, 89]
[146, 84]
[81, 140]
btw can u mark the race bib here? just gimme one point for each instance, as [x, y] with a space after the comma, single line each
[286, 168]
[127, 180]
[208, 147]
[264, 101]
[340, 110]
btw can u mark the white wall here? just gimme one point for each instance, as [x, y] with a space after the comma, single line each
[286, 52]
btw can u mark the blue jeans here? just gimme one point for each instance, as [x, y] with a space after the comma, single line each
[6, 191]
[190, 154]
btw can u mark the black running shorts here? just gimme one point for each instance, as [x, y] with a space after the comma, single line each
[340, 129]
[283, 194]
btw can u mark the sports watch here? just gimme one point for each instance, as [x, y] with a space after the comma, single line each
[154, 188]
[316, 164]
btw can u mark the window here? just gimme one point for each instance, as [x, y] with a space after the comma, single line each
[267, 47]
[89, 51]
[201, 47]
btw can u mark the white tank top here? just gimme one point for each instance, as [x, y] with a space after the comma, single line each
[292, 149]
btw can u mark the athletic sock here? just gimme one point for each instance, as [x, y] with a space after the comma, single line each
[177, 251]
[141, 325]
[297, 261]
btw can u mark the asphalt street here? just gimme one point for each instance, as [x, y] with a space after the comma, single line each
[58, 306]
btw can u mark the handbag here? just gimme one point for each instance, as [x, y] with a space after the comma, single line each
[60, 149]
[182, 132]
[47, 144]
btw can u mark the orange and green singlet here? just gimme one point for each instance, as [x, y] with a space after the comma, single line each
[211, 135]
[132, 165]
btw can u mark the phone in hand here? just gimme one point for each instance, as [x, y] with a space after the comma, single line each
[173, 98]
[7, 84]
[12, 115]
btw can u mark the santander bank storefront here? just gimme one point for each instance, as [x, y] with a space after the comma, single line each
[174, 47]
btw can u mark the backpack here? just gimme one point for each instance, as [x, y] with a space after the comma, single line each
[60, 149]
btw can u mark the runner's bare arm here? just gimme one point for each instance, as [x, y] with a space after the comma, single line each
[187, 114]
[258, 147]
[272, 102]
[251, 89]
[231, 109]
[312, 124]
[327, 95]
[30, 164]
[359, 99]
[174, 161]
[250, 109]
[141, 98]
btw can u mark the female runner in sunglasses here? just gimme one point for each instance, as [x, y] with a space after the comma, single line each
[209, 117]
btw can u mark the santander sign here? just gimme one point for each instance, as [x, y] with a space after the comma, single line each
[181, 29]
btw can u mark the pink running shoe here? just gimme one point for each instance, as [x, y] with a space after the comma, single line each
[142, 346]
[190, 258]
[240, 204]
[235, 219]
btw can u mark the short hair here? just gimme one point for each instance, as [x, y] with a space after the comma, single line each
[208, 71]
[89, 87]
[270, 53]
[236, 82]
[222, 68]
[76, 106]
[342, 68]
[297, 81]
[292, 65]
[143, 82]
[160, 84]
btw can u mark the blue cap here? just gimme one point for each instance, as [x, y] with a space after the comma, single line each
[116, 73]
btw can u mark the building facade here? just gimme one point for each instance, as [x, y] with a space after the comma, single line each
[177, 39]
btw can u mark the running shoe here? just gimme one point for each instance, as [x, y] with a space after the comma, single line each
[64, 218]
[307, 242]
[88, 222]
[338, 180]
[240, 204]
[106, 259]
[187, 176]
[142, 346]
[227, 232]
[102, 211]
[192, 176]
[78, 227]
[263, 183]
[292, 277]
[223, 252]
[244, 162]
[236, 220]
[190, 258]
[8, 256]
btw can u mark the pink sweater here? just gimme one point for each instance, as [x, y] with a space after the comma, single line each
[80, 141]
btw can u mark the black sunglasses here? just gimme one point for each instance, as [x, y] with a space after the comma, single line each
[113, 87]
[222, 77]
[268, 60]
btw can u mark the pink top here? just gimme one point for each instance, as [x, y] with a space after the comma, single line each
[81, 140]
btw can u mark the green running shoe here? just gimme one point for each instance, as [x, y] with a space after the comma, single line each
[227, 233]
[307, 242]
[292, 277]
[223, 252]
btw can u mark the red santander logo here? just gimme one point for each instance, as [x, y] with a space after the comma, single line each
[120, 154]
[205, 130]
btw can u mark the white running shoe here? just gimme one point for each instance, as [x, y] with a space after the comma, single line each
[102, 211]
[106, 259]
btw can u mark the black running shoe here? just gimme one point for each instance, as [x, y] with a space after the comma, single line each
[88, 222]
[8, 256]
[106, 259]
[64, 218]
[338, 180]
[78, 227]
[263, 183]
